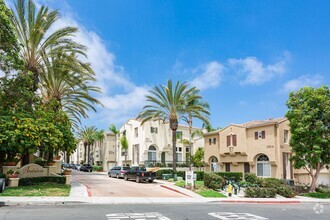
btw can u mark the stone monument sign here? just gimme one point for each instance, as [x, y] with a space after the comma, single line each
[32, 170]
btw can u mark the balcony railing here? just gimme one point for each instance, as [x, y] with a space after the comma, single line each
[153, 163]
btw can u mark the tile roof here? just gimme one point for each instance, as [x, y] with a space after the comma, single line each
[257, 123]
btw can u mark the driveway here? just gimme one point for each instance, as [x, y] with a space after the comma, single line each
[100, 184]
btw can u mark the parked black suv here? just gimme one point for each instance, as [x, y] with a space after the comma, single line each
[86, 168]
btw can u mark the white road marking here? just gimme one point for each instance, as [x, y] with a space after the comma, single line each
[137, 216]
[232, 215]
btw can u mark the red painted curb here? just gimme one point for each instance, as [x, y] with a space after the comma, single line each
[177, 191]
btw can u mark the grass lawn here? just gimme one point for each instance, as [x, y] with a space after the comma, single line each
[317, 195]
[210, 193]
[43, 189]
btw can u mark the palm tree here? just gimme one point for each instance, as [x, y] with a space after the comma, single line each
[114, 130]
[124, 146]
[33, 30]
[66, 80]
[195, 108]
[99, 137]
[87, 136]
[169, 103]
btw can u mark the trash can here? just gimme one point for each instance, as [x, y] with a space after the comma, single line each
[235, 190]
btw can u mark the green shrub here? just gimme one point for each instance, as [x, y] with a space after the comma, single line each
[256, 192]
[199, 175]
[181, 174]
[159, 173]
[272, 182]
[246, 184]
[40, 162]
[2, 175]
[251, 178]
[97, 168]
[322, 189]
[285, 191]
[42, 179]
[233, 176]
[180, 183]
[212, 180]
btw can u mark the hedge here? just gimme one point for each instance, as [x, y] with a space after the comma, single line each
[159, 173]
[233, 176]
[199, 175]
[42, 179]
[256, 192]
[97, 168]
[212, 180]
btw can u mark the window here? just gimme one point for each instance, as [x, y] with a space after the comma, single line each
[154, 130]
[179, 135]
[152, 153]
[136, 131]
[246, 168]
[234, 140]
[210, 141]
[260, 135]
[187, 149]
[178, 154]
[228, 141]
[263, 166]
[286, 136]
[214, 164]
[227, 167]
[214, 141]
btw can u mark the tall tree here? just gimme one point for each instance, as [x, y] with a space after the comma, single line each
[115, 131]
[196, 107]
[168, 103]
[124, 146]
[87, 136]
[99, 137]
[67, 80]
[309, 116]
[36, 41]
[9, 48]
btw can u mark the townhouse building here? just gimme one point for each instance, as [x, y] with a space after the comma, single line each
[260, 147]
[150, 143]
[102, 152]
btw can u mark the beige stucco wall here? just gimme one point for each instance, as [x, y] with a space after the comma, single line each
[211, 150]
[162, 140]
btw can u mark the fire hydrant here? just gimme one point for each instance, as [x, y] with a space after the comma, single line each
[230, 189]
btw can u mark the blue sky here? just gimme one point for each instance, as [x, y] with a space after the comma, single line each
[244, 56]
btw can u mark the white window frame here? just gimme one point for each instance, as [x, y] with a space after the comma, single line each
[264, 166]
[259, 134]
[286, 136]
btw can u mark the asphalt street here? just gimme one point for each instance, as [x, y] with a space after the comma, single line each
[165, 212]
[100, 184]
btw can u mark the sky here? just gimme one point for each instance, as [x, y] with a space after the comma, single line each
[244, 56]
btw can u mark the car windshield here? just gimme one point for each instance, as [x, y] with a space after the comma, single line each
[142, 169]
[125, 168]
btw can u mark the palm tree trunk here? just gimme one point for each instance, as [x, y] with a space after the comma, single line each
[88, 155]
[190, 127]
[85, 146]
[174, 153]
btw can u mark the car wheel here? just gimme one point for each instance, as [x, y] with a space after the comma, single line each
[2, 185]
[117, 176]
[137, 179]
[150, 181]
[125, 178]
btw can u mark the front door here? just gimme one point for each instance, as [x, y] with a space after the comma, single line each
[246, 168]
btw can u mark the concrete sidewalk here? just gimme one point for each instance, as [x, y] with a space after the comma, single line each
[79, 194]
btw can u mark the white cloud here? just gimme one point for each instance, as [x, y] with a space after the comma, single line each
[209, 75]
[121, 98]
[304, 80]
[255, 72]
